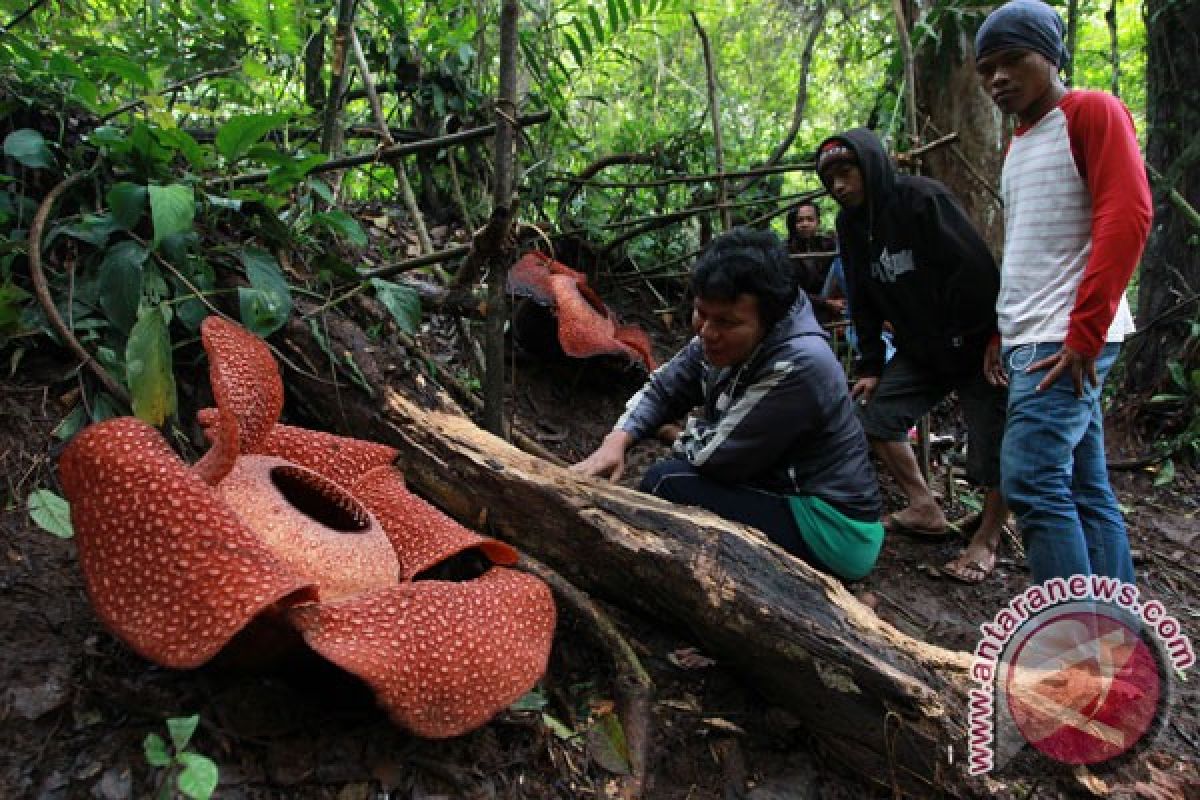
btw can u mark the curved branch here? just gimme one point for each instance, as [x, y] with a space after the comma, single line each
[42, 289]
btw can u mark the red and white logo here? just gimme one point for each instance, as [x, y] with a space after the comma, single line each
[1077, 668]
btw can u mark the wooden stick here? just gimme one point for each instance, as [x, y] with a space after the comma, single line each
[714, 110]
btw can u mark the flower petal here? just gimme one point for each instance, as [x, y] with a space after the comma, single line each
[422, 535]
[245, 379]
[442, 657]
[338, 458]
[169, 568]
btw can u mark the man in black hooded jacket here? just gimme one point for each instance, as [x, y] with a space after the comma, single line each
[913, 259]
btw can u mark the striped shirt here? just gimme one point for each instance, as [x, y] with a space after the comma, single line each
[1077, 213]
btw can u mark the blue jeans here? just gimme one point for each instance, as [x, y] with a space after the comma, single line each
[1054, 474]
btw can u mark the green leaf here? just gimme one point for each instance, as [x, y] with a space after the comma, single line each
[181, 730]
[121, 283]
[264, 307]
[236, 136]
[402, 301]
[614, 16]
[557, 728]
[93, 229]
[343, 225]
[584, 40]
[127, 201]
[576, 53]
[123, 68]
[597, 26]
[50, 512]
[1166, 473]
[29, 148]
[533, 700]
[181, 140]
[12, 299]
[607, 745]
[70, 424]
[199, 776]
[1178, 374]
[172, 208]
[148, 363]
[156, 751]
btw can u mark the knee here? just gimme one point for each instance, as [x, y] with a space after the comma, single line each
[657, 481]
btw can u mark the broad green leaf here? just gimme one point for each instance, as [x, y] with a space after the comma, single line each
[149, 366]
[70, 424]
[104, 406]
[1166, 473]
[156, 750]
[607, 745]
[172, 208]
[1178, 374]
[576, 53]
[50, 512]
[123, 68]
[264, 307]
[93, 229]
[199, 776]
[29, 148]
[181, 140]
[402, 301]
[121, 283]
[585, 41]
[108, 136]
[614, 16]
[127, 201]
[343, 225]
[557, 728]
[181, 730]
[236, 136]
[533, 700]
[12, 299]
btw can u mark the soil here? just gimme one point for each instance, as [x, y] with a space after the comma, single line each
[76, 705]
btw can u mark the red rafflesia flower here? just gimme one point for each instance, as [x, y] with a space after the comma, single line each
[277, 523]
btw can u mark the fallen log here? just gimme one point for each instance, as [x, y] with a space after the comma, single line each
[883, 705]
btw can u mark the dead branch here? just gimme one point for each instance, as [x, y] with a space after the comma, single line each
[337, 77]
[174, 87]
[408, 148]
[676, 179]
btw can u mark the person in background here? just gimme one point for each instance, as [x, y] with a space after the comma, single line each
[1077, 213]
[914, 260]
[776, 443]
[812, 251]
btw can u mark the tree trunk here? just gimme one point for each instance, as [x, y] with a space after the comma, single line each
[880, 704]
[950, 94]
[1170, 272]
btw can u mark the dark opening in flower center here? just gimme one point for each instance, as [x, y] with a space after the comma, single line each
[320, 499]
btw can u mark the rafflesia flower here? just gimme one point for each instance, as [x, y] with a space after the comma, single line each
[586, 326]
[280, 524]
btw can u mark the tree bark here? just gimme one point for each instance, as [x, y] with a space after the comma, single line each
[1170, 270]
[949, 92]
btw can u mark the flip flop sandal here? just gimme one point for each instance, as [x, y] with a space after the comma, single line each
[959, 573]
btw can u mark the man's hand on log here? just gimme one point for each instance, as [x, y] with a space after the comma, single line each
[608, 461]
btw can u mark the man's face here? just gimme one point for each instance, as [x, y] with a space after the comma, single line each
[728, 329]
[844, 180]
[807, 222]
[1020, 82]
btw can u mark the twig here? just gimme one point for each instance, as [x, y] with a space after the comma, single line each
[174, 87]
[19, 18]
[635, 688]
[714, 110]
[408, 148]
[1178, 200]
[42, 290]
[705, 178]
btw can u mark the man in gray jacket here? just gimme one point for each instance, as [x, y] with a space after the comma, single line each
[776, 443]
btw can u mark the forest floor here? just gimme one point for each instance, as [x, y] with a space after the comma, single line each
[76, 705]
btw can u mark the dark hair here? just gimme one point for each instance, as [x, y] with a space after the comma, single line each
[746, 261]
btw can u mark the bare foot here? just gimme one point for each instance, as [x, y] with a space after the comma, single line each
[928, 520]
[975, 563]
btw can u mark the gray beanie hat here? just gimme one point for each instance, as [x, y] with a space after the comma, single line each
[1023, 25]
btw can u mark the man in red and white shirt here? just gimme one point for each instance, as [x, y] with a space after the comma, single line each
[1077, 213]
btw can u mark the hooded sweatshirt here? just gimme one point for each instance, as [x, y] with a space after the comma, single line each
[781, 421]
[913, 258]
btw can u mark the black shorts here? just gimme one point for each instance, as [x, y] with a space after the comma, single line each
[907, 391]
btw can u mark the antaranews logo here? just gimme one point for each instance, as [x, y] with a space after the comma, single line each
[1080, 668]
